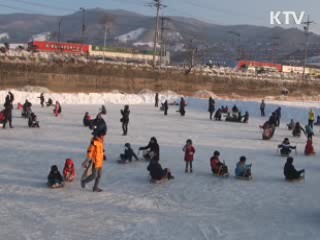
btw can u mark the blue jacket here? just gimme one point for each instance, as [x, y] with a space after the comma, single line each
[241, 169]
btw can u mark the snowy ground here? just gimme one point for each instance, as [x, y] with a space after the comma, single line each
[193, 206]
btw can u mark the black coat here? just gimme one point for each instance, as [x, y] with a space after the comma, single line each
[154, 147]
[129, 154]
[54, 175]
[156, 171]
[125, 115]
[290, 172]
[211, 107]
[286, 148]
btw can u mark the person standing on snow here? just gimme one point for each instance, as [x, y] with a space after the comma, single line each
[211, 107]
[262, 108]
[42, 100]
[182, 107]
[8, 106]
[96, 154]
[312, 117]
[189, 153]
[165, 107]
[57, 109]
[125, 119]
[156, 100]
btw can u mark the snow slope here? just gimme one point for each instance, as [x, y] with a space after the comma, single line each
[4, 36]
[192, 206]
[131, 36]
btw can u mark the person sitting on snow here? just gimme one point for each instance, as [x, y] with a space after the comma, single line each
[217, 167]
[291, 125]
[245, 117]
[49, 103]
[87, 120]
[317, 123]
[296, 132]
[285, 147]
[55, 179]
[33, 121]
[154, 150]
[26, 110]
[157, 173]
[69, 171]
[273, 119]
[128, 154]
[243, 169]
[218, 115]
[309, 150]
[103, 110]
[290, 172]
[235, 109]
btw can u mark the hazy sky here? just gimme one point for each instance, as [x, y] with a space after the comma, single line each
[255, 12]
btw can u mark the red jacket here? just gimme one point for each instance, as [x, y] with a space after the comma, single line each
[189, 152]
[68, 170]
[215, 164]
[309, 148]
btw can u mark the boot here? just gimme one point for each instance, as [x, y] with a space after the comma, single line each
[186, 170]
[97, 189]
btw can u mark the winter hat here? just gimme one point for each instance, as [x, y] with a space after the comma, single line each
[54, 168]
[127, 145]
[290, 160]
[243, 159]
[189, 141]
[153, 139]
[216, 153]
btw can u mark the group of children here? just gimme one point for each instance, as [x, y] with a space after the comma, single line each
[55, 179]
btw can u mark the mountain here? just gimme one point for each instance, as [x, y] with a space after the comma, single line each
[127, 29]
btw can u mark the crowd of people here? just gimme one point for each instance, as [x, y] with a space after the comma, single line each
[96, 154]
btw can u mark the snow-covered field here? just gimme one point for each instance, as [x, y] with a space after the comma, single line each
[192, 206]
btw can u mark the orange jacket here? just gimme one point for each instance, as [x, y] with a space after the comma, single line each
[96, 151]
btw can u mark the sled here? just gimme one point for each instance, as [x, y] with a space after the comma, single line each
[225, 175]
[244, 178]
[56, 186]
[2, 116]
[296, 180]
[163, 180]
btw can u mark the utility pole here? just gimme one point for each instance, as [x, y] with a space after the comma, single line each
[59, 33]
[162, 39]
[275, 44]
[83, 24]
[306, 30]
[158, 5]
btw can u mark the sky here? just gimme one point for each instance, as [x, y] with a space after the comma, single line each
[253, 12]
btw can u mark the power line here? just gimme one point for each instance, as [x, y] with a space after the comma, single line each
[42, 5]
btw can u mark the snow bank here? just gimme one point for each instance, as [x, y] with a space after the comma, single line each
[204, 94]
[83, 98]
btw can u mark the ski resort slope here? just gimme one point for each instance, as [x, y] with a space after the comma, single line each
[192, 206]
